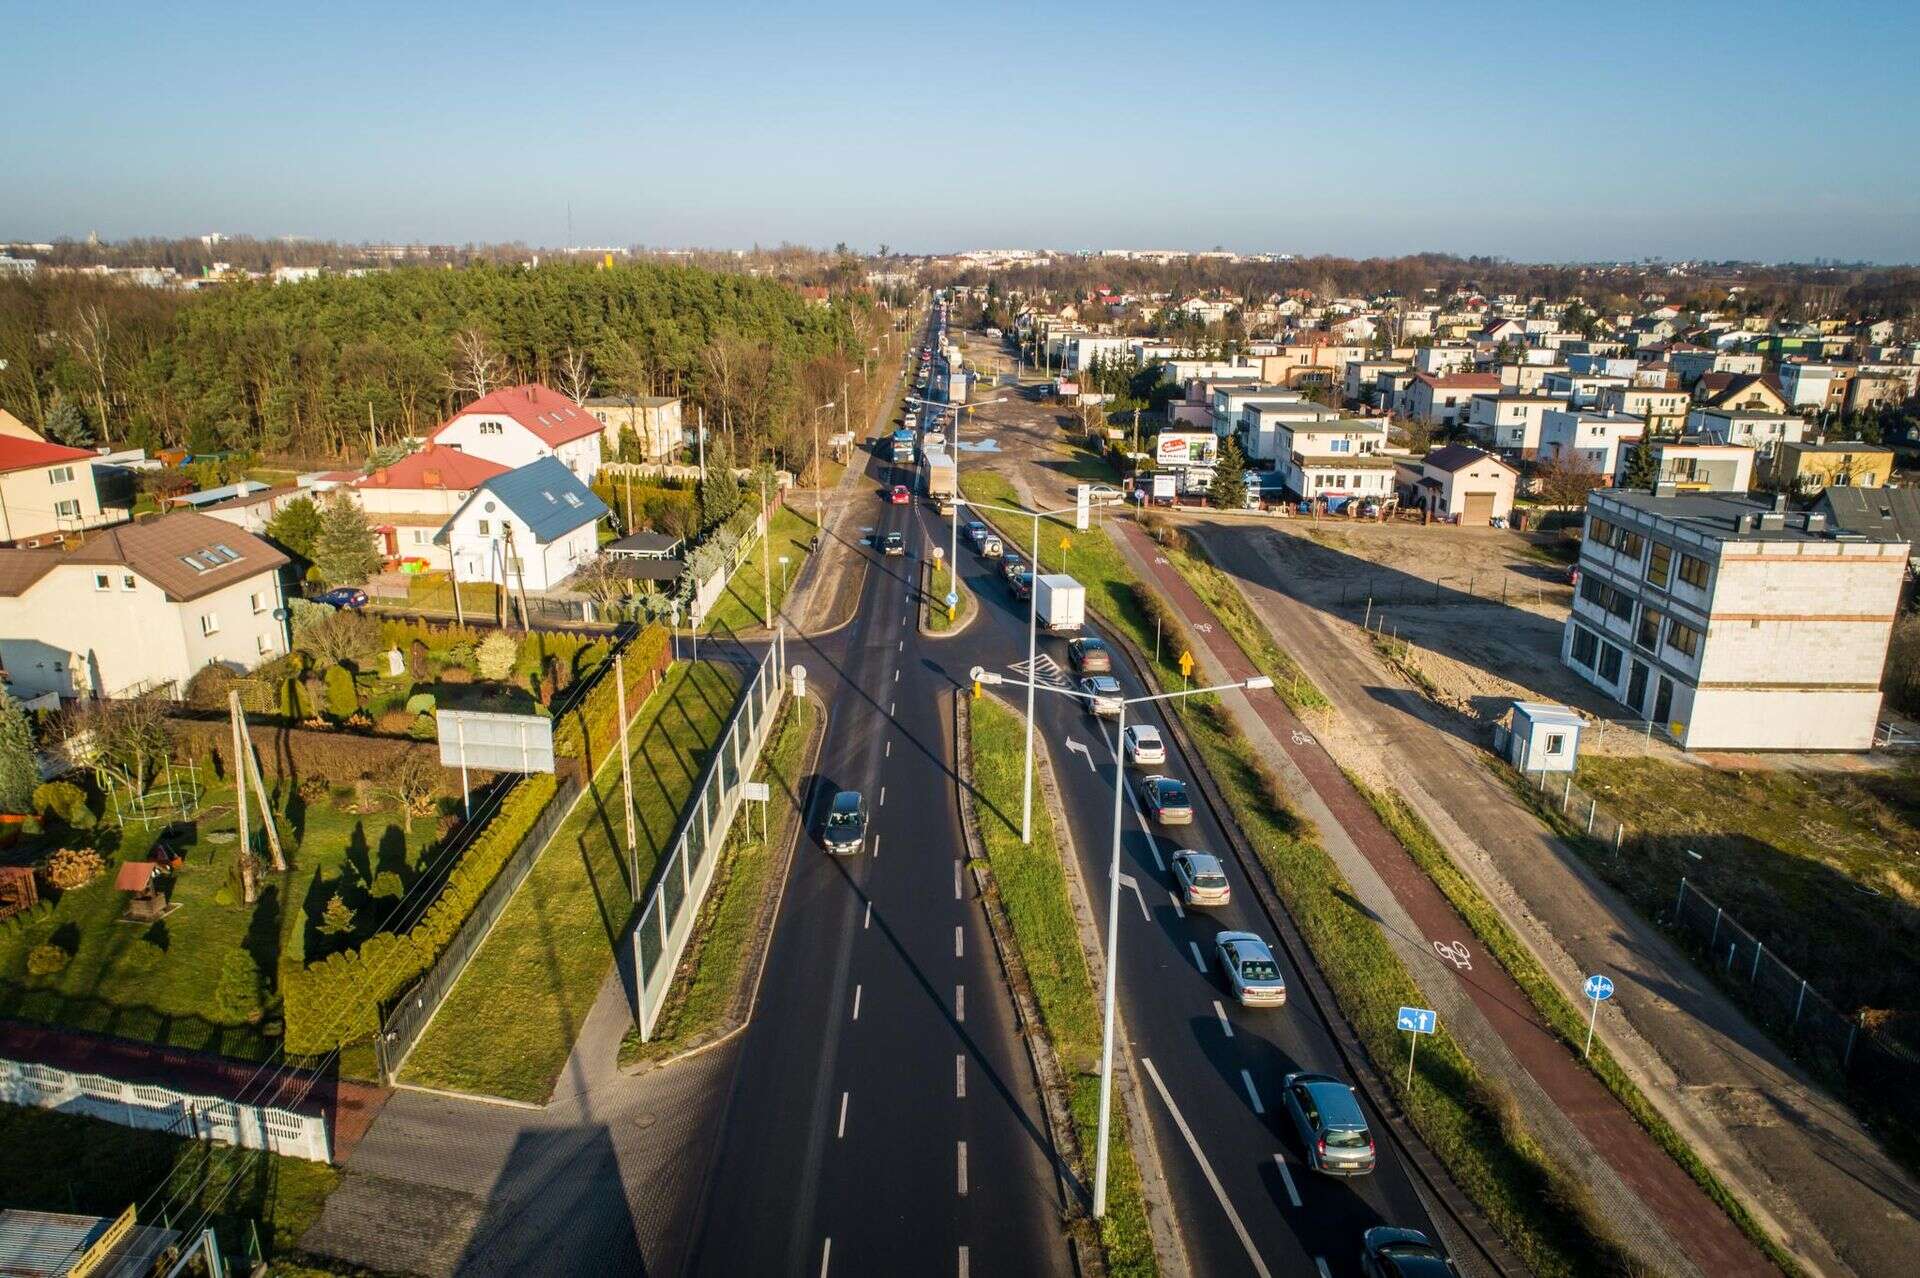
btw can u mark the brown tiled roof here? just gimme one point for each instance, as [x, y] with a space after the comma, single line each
[157, 549]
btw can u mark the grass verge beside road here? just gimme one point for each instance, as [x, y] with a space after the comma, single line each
[1554, 1007]
[509, 1025]
[941, 579]
[68, 1163]
[740, 606]
[726, 936]
[1033, 887]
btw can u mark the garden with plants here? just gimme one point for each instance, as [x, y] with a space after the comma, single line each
[132, 904]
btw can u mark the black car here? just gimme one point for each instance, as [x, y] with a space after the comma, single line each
[1090, 656]
[846, 829]
[894, 544]
[1386, 1252]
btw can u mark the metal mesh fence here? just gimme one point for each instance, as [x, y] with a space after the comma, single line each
[666, 921]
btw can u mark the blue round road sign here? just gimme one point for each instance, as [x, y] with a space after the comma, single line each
[1599, 988]
[953, 598]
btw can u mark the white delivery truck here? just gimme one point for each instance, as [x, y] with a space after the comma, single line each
[940, 477]
[1061, 602]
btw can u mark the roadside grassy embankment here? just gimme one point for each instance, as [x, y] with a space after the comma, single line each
[941, 579]
[1033, 888]
[740, 606]
[508, 1026]
[725, 936]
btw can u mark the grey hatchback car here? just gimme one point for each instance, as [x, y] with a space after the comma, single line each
[1327, 1116]
[846, 828]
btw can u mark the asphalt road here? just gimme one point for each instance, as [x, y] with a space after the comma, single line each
[1245, 1200]
[883, 1118]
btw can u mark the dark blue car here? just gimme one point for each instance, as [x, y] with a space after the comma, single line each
[343, 597]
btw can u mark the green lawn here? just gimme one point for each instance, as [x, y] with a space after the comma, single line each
[940, 580]
[1033, 888]
[156, 981]
[724, 938]
[740, 606]
[433, 592]
[509, 1024]
[66, 1163]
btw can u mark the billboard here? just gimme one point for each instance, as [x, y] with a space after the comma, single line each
[1184, 448]
[495, 742]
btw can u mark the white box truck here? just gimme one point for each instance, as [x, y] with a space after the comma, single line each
[940, 480]
[1061, 602]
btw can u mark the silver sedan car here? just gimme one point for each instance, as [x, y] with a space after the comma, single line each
[1203, 882]
[1251, 972]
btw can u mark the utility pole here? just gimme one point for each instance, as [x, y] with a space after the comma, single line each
[766, 567]
[249, 876]
[626, 772]
[514, 564]
[247, 772]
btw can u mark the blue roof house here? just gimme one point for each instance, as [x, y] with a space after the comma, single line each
[529, 528]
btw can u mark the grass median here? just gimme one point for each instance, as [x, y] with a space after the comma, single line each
[941, 579]
[509, 1024]
[1033, 888]
[1554, 1007]
[726, 935]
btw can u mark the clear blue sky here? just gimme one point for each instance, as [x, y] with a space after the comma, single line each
[1542, 132]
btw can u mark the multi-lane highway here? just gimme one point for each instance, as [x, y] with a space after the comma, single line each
[884, 1118]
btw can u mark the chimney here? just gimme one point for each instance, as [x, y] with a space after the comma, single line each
[1779, 503]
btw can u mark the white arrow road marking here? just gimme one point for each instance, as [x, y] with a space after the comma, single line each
[1206, 1168]
[1128, 881]
[1079, 747]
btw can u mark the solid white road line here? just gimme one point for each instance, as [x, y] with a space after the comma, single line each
[959, 943]
[1286, 1178]
[960, 1077]
[856, 1002]
[1206, 1169]
[959, 1002]
[963, 1169]
[956, 880]
[1320, 1263]
[826, 1254]
[1198, 961]
[1226, 1026]
[869, 920]
[1179, 910]
[1252, 1094]
[843, 1118]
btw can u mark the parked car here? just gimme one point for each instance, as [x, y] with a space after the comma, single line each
[893, 544]
[1331, 1126]
[846, 830]
[1104, 495]
[1390, 1252]
[1203, 882]
[342, 597]
[1251, 973]
[1090, 655]
[1103, 694]
[900, 496]
[1144, 746]
[1165, 800]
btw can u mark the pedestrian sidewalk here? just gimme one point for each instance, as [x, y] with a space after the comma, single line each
[1658, 1210]
[1799, 1158]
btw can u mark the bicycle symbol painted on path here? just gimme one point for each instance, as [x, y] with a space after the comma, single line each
[1302, 738]
[1456, 953]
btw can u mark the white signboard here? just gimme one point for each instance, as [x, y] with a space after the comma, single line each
[1163, 485]
[1082, 499]
[1184, 448]
[495, 742]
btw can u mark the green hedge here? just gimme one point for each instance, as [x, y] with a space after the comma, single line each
[588, 729]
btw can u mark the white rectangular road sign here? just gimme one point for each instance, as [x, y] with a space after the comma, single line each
[758, 791]
[494, 742]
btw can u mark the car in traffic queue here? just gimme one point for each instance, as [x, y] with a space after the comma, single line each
[1252, 975]
[1021, 585]
[900, 496]
[893, 544]
[1143, 745]
[1165, 798]
[1203, 882]
[1331, 1125]
[1390, 1252]
[1090, 655]
[990, 547]
[1103, 695]
[1012, 565]
[845, 833]
[976, 533]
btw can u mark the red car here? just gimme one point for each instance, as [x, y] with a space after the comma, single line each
[900, 495]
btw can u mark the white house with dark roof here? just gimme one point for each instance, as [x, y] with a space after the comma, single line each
[138, 606]
[1465, 485]
[530, 528]
[523, 424]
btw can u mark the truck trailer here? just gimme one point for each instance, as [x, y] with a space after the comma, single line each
[1060, 602]
[941, 475]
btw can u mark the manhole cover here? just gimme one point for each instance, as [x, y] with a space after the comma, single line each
[644, 1121]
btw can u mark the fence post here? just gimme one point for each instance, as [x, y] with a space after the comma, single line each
[1593, 806]
[1680, 900]
[1733, 952]
[1800, 1002]
[1619, 831]
[1713, 940]
[1846, 1058]
[1759, 947]
[1566, 796]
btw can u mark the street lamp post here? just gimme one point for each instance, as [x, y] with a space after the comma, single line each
[1113, 898]
[819, 518]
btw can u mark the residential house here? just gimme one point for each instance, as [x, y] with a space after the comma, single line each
[1528, 377]
[138, 606]
[1336, 459]
[1458, 483]
[1443, 400]
[1229, 399]
[1509, 421]
[409, 502]
[653, 421]
[1733, 623]
[1607, 364]
[1592, 440]
[1880, 386]
[1691, 464]
[1664, 411]
[1808, 468]
[1445, 358]
[46, 490]
[1263, 424]
[1810, 386]
[1582, 390]
[524, 424]
[1748, 392]
[1363, 375]
[254, 509]
[527, 529]
[1309, 364]
[1763, 430]
[1875, 513]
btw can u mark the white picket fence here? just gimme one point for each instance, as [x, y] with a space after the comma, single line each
[148, 1106]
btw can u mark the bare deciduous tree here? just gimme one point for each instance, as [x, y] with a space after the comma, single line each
[477, 369]
[413, 783]
[575, 374]
[1565, 479]
[89, 335]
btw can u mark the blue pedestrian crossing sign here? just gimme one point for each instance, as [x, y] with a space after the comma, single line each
[1418, 1020]
[1599, 988]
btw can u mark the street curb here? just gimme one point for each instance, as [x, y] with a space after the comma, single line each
[969, 607]
[1432, 1176]
[447, 1093]
[1089, 1257]
[764, 935]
